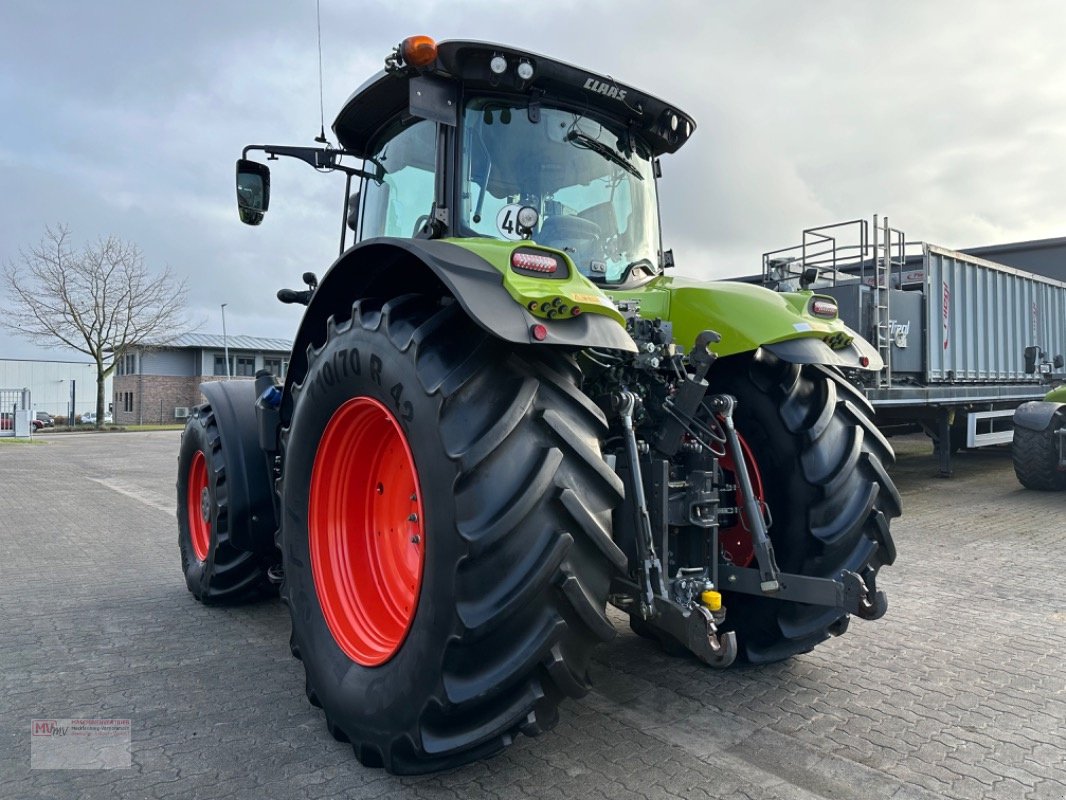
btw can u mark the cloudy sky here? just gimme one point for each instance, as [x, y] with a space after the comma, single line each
[125, 118]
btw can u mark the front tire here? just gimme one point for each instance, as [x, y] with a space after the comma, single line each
[510, 501]
[821, 463]
[1036, 459]
[215, 571]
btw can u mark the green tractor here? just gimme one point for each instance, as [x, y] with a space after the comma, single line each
[1039, 446]
[501, 416]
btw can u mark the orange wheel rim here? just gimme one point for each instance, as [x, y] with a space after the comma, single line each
[198, 506]
[366, 531]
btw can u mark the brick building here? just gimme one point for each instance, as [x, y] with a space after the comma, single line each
[159, 384]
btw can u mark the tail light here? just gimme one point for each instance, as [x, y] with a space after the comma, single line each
[538, 263]
[823, 307]
[533, 262]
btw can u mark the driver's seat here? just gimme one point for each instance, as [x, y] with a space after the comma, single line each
[577, 237]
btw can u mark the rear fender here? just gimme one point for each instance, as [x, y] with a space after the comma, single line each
[1039, 415]
[250, 504]
[749, 317]
[1057, 395]
[387, 267]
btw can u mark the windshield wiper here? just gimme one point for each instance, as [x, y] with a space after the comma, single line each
[580, 139]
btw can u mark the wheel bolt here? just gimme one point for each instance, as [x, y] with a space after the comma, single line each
[416, 539]
[413, 518]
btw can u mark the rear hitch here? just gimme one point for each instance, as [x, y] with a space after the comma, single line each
[696, 629]
[692, 625]
[849, 592]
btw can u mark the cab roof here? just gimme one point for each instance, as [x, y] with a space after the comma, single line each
[466, 66]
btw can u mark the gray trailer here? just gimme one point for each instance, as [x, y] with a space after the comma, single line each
[964, 340]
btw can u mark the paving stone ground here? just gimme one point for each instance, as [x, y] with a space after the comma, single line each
[960, 692]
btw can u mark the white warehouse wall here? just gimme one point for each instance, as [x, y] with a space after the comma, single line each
[49, 384]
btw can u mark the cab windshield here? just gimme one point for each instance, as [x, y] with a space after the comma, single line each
[592, 185]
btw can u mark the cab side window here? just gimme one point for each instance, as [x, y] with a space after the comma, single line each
[397, 203]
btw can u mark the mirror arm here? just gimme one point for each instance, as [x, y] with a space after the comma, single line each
[317, 157]
[344, 214]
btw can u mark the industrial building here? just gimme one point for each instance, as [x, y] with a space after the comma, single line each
[1045, 257]
[159, 384]
[51, 384]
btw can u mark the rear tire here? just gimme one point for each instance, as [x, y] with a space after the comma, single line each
[822, 463]
[1036, 459]
[215, 571]
[517, 554]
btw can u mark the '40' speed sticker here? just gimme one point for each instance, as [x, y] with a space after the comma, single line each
[507, 222]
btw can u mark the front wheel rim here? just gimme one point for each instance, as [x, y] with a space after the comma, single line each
[366, 531]
[198, 507]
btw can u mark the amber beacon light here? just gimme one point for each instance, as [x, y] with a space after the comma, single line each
[418, 51]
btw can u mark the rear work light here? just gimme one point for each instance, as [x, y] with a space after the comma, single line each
[821, 307]
[534, 263]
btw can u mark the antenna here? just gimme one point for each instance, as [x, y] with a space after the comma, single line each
[321, 138]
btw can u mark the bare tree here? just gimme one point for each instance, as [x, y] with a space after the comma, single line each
[100, 301]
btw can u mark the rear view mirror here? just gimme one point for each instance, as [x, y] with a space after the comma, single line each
[353, 211]
[253, 191]
[1032, 353]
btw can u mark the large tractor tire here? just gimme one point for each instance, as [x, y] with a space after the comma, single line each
[445, 535]
[818, 463]
[215, 571]
[1036, 459]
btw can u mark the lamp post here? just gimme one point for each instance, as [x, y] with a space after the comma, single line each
[225, 341]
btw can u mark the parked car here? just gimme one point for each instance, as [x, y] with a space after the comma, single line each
[89, 418]
[46, 419]
[7, 422]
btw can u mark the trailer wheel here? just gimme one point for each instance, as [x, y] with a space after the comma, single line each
[1036, 459]
[821, 464]
[215, 571]
[445, 535]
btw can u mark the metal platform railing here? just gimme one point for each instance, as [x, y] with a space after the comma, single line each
[868, 251]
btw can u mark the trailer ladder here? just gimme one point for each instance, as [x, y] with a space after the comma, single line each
[888, 253]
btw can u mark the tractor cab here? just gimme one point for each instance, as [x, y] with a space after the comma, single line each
[485, 141]
[567, 180]
[476, 140]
